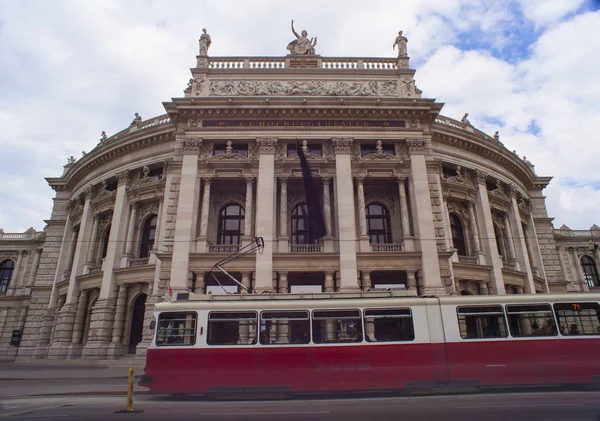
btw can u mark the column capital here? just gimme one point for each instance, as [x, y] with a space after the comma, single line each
[284, 179]
[326, 179]
[416, 146]
[400, 180]
[513, 190]
[266, 145]
[360, 179]
[207, 179]
[87, 192]
[342, 145]
[480, 176]
[188, 145]
[122, 178]
[249, 179]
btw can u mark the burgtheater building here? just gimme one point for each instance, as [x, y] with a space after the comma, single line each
[411, 199]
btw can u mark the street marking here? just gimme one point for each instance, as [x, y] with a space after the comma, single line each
[268, 413]
[525, 405]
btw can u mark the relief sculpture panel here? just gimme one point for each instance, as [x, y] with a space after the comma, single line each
[303, 87]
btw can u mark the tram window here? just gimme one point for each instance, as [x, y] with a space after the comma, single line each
[389, 325]
[176, 329]
[284, 327]
[231, 328]
[337, 326]
[578, 318]
[531, 320]
[477, 322]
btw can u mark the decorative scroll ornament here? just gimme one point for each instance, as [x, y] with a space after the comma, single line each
[416, 146]
[302, 87]
[266, 144]
[409, 86]
[342, 144]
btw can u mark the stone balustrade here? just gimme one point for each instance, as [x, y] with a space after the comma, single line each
[333, 63]
[306, 248]
[391, 247]
[223, 248]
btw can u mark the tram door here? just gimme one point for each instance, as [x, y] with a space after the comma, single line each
[137, 323]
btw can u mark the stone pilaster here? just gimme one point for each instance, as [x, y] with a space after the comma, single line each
[363, 236]
[407, 237]
[265, 212]
[519, 236]
[207, 180]
[92, 247]
[283, 216]
[366, 280]
[475, 234]
[512, 257]
[130, 233]
[346, 207]
[63, 332]
[101, 324]
[115, 348]
[34, 267]
[186, 209]
[283, 283]
[328, 245]
[78, 326]
[249, 211]
[81, 251]
[423, 219]
[411, 280]
[583, 286]
[490, 245]
[329, 285]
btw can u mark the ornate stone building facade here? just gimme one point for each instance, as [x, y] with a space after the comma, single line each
[411, 199]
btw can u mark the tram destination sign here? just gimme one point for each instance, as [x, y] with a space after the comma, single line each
[304, 123]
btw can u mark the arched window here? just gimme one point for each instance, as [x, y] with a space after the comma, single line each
[499, 243]
[589, 271]
[6, 272]
[148, 234]
[301, 232]
[378, 224]
[231, 225]
[104, 243]
[458, 235]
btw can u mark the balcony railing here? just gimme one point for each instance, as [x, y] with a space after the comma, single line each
[386, 247]
[467, 259]
[139, 262]
[331, 63]
[306, 248]
[223, 248]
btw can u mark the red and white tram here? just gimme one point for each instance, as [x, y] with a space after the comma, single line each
[371, 341]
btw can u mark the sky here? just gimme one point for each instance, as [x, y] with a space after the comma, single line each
[70, 69]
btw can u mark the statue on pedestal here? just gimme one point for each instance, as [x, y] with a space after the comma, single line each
[302, 45]
[136, 120]
[205, 41]
[401, 42]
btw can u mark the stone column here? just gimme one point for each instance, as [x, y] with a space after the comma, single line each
[475, 232]
[489, 236]
[70, 255]
[329, 286]
[103, 312]
[411, 280]
[561, 260]
[283, 283]
[423, 219]
[92, 247]
[249, 214]
[519, 238]
[512, 256]
[188, 194]
[246, 281]
[584, 287]
[362, 215]
[14, 284]
[534, 245]
[265, 212]
[204, 213]
[483, 287]
[407, 237]
[283, 216]
[130, 232]
[115, 348]
[34, 267]
[344, 190]
[75, 349]
[328, 240]
[366, 280]
[81, 250]
[157, 238]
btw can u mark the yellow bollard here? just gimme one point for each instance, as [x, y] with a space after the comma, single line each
[129, 409]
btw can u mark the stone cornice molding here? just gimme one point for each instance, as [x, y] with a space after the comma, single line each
[342, 145]
[416, 146]
[266, 145]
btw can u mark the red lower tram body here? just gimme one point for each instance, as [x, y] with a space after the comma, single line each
[374, 367]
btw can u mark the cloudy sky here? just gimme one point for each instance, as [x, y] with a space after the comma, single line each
[70, 69]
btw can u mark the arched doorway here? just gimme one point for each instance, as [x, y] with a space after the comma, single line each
[137, 323]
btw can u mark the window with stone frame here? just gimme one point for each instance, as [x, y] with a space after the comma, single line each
[588, 265]
[148, 235]
[104, 243]
[499, 234]
[458, 235]
[231, 225]
[378, 224]
[7, 267]
[301, 226]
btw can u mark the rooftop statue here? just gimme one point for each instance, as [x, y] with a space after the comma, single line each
[137, 119]
[205, 41]
[302, 45]
[401, 42]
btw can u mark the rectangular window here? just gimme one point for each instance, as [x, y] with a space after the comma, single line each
[221, 148]
[389, 325]
[476, 322]
[370, 148]
[232, 328]
[531, 320]
[284, 327]
[337, 326]
[578, 318]
[176, 329]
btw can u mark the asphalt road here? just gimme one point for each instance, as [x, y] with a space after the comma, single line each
[559, 406]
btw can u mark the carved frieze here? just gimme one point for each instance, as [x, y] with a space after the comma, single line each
[302, 87]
